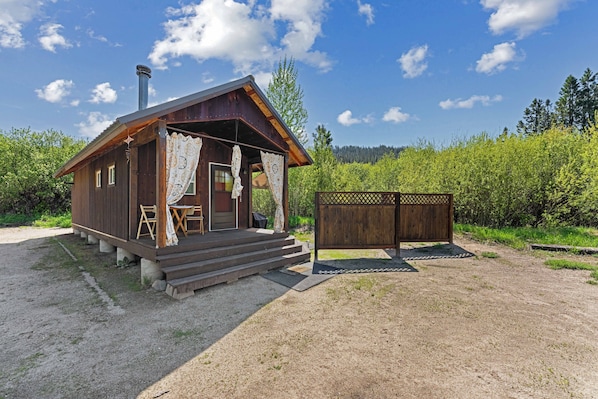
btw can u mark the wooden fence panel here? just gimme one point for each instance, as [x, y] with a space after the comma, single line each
[426, 217]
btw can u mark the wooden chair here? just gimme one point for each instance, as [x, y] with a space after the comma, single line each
[150, 221]
[196, 214]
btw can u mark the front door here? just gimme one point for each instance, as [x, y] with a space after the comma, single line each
[223, 209]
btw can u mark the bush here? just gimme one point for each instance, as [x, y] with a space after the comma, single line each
[28, 161]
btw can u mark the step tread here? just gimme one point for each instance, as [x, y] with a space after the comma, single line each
[208, 251]
[206, 262]
[229, 270]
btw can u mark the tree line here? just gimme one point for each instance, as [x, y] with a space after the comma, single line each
[353, 153]
[575, 108]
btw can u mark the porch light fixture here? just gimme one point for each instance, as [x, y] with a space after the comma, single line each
[128, 150]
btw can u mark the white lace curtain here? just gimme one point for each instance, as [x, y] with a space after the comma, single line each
[182, 157]
[235, 167]
[274, 169]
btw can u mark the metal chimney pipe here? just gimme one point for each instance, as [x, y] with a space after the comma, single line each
[144, 74]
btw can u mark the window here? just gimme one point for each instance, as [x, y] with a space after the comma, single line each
[111, 175]
[98, 178]
[191, 187]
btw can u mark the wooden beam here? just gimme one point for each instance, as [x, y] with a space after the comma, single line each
[285, 192]
[161, 184]
[133, 191]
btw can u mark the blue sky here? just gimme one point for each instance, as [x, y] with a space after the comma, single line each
[373, 72]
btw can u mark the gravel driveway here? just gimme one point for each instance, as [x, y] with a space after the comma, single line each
[504, 326]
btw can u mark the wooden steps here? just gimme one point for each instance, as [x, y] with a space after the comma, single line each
[228, 261]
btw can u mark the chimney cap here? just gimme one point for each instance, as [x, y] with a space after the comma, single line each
[142, 69]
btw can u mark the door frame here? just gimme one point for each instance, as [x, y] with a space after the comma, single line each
[236, 200]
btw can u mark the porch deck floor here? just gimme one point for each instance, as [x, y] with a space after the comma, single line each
[146, 245]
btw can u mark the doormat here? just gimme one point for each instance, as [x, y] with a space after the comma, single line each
[295, 280]
[356, 267]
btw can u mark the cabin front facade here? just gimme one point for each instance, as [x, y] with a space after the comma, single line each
[126, 167]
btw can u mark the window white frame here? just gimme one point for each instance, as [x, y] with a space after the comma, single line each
[99, 178]
[191, 188]
[112, 175]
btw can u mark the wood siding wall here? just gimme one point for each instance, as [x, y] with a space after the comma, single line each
[381, 220]
[230, 106]
[211, 151]
[104, 209]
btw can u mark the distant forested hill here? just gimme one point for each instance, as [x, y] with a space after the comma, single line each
[351, 153]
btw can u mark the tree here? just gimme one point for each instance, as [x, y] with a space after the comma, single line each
[537, 118]
[28, 161]
[324, 160]
[588, 98]
[287, 98]
[567, 106]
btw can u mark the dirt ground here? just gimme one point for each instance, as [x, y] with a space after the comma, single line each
[458, 327]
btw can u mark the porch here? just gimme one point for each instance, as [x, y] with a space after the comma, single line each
[200, 261]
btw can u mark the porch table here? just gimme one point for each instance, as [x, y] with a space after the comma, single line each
[179, 214]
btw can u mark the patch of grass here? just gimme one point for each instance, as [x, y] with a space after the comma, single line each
[305, 236]
[299, 221]
[370, 286]
[132, 283]
[520, 237]
[29, 362]
[490, 255]
[63, 220]
[47, 221]
[339, 254]
[557, 264]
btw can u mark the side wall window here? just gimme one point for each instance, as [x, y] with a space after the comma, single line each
[111, 175]
[191, 187]
[98, 178]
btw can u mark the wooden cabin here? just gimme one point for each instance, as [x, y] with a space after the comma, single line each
[125, 167]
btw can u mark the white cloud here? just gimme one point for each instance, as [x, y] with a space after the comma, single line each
[55, 91]
[244, 34]
[413, 62]
[522, 16]
[95, 124]
[470, 102]
[103, 93]
[50, 38]
[367, 10]
[395, 115]
[101, 38]
[14, 14]
[346, 119]
[496, 61]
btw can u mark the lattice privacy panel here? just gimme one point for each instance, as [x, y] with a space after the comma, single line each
[425, 199]
[363, 198]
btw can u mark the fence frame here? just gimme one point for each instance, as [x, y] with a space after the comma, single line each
[371, 220]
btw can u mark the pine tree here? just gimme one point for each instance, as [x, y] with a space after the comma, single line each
[537, 118]
[567, 106]
[588, 98]
[287, 98]
[324, 160]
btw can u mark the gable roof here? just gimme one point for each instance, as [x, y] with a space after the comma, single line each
[132, 123]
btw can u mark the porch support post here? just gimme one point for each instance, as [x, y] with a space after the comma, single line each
[161, 184]
[285, 192]
[133, 190]
[398, 225]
